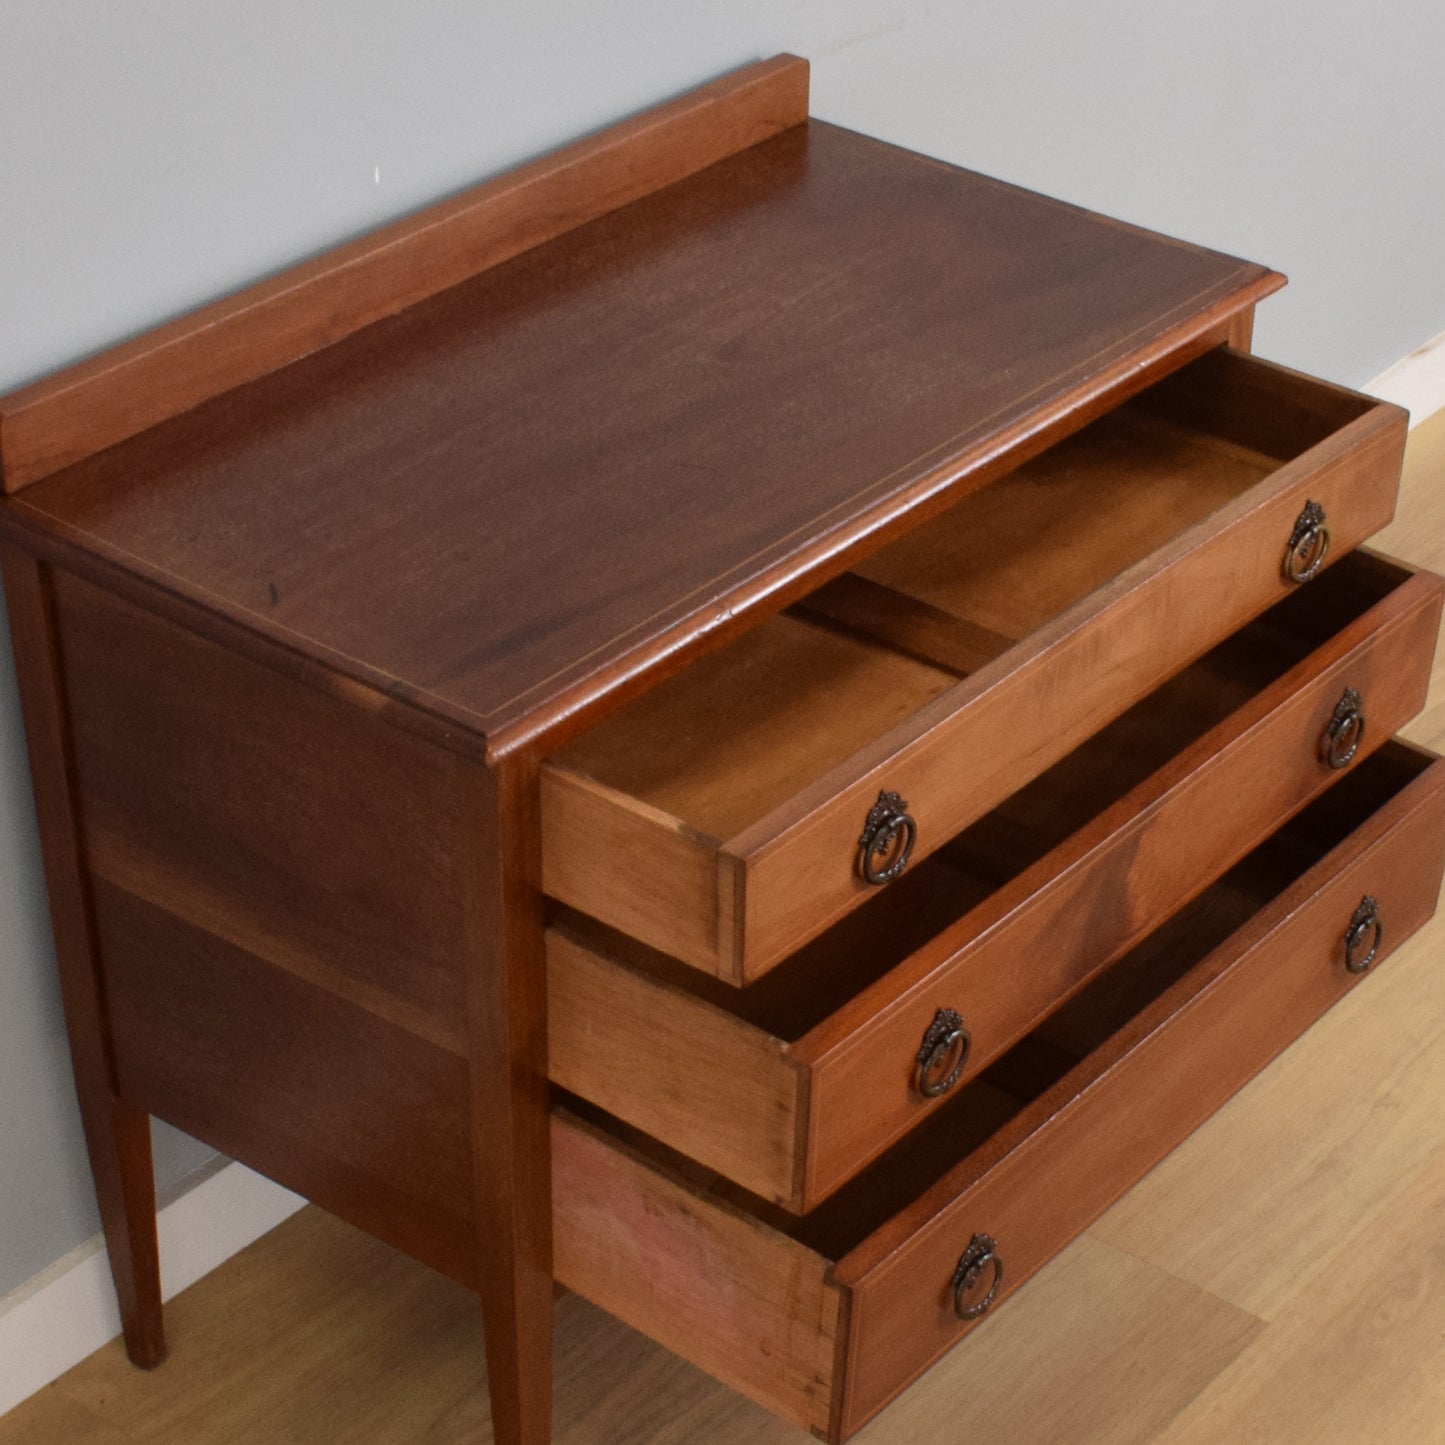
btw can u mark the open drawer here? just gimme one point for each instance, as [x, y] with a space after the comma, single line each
[740, 808]
[793, 1085]
[827, 1318]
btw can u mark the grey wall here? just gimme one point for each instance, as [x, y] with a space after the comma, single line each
[155, 154]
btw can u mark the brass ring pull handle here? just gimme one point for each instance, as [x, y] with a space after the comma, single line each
[1365, 924]
[887, 841]
[1345, 731]
[944, 1054]
[1309, 544]
[981, 1254]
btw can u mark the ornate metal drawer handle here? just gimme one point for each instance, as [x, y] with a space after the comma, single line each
[887, 841]
[1309, 544]
[947, 1041]
[980, 1254]
[1365, 924]
[1345, 731]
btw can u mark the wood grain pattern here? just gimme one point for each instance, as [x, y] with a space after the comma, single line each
[336, 1380]
[1024, 951]
[1359, 1353]
[366, 1120]
[1117, 559]
[508, 1127]
[117, 1131]
[64, 418]
[365, 511]
[401, 503]
[916, 629]
[351, 1341]
[304, 831]
[633, 822]
[316, 934]
[800, 861]
[1065, 1362]
[721, 1090]
[747, 1304]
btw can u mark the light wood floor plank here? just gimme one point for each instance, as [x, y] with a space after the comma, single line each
[49, 1418]
[1260, 1197]
[313, 1327]
[319, 1335]
[1418, 531]
[1359, 1355]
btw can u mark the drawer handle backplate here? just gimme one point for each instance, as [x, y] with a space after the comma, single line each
[1365, 924]
[947, 1041]
[981, 1254]
[1345, 732]
[887, 841]
[1309, 544]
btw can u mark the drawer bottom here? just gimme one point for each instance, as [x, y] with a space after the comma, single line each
[825, 1319]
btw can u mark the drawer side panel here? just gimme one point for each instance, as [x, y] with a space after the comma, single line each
[748, 1305]
[668, 1063]
[631, 866]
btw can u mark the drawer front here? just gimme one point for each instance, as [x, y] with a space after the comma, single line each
[827, 1319]
[792, 1119]
[733, 892]
[1055, 925]
[1090, 1139]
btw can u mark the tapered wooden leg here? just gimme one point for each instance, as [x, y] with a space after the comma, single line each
[510, 1108]
[120, 1159]
[117, 1133]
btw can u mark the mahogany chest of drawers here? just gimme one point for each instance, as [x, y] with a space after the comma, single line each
[739, 720]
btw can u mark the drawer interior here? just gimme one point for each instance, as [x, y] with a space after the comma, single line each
[1008, 558]
[998, 1103]
[940, 890]
[744, 731]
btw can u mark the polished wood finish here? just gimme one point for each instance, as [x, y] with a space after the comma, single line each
[378, 505]
[511, 1157]
[317, 936]
[67, 417]
[117, 1132]
[1173, 1032]
[299, 829]
[360, 1116]
[1139, 542]
[820, 1059]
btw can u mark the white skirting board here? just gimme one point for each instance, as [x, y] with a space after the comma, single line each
[65, 1314]
[69, 1311]
[1417, 382]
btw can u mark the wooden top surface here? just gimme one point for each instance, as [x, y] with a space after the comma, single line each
[510, 498]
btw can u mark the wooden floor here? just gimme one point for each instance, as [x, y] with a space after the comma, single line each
[1280, 1279]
